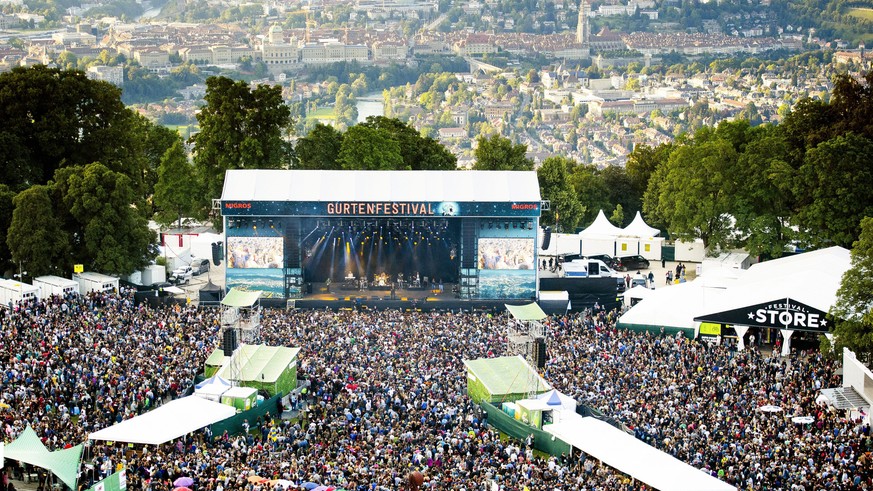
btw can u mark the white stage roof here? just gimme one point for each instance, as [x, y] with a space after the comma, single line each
[170, 421]
[394, 185]
[639, 460]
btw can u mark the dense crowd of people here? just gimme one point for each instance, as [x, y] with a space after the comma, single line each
[386, 394]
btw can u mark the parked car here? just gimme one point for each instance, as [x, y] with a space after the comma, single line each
[632, 262]
[200, 266]
[182, 275]
[610, 261]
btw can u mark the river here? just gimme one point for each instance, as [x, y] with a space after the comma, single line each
[370, 105]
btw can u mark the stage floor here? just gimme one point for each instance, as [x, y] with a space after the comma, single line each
[320, 291]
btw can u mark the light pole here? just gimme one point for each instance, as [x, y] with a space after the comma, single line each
[21, 273]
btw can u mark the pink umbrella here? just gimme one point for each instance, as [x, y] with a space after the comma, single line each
[183, 482]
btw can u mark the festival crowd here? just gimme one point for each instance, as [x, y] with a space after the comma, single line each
[386, 395]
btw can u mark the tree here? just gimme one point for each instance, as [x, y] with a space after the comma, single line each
[419, 153]
[240, 128]
[591, 192]
[852, 310]
[553, 176]
[320, 148]
[765, 204]
[622, 193]
[643, 162]
[109, 234]
[834, 187]
[695, 192]
[367, 148]
[54, 118]
[6, 207]
[36, 239]
[157, 139]
[499, 153]
[176, 193]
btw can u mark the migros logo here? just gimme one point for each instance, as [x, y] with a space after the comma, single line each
[525, 206]
[238, 206]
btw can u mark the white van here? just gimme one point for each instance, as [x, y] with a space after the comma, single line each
[588, 268]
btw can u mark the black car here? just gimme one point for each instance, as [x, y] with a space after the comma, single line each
[632, 262]
[608, 260]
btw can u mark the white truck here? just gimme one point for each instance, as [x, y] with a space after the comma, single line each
[95, 282]
[182, 275]
[13, 292]
[55, 285]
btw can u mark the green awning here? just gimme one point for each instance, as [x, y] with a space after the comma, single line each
[507, 375]
[216, 358]
[240, 298]
[529, 312]
[63, 463]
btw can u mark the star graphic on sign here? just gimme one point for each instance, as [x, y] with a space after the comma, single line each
[751, 315]
[824, 323]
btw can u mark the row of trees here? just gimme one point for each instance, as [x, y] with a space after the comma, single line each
[805, 181]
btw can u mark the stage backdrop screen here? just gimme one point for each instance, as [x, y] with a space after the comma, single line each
[506, 268]
[255, 263]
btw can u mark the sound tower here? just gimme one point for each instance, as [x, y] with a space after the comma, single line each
[229, 342]
[547, 237]
[540, 352]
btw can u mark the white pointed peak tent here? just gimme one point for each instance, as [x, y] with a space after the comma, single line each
[601, 227]
[639, 228]
[558, 400]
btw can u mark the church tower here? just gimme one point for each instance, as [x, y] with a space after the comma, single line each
[583, 29]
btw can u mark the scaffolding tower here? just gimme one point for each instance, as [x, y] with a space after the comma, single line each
[240, 324]
[526, 336]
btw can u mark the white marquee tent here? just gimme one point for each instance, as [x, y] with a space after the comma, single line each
[639, 228]
[601, 227]
[812, 278]
[633, 457]
[168, 422]
[602, 237]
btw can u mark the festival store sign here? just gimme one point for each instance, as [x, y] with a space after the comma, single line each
[381, 208]
[779, 314]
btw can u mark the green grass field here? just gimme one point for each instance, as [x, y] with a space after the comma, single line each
[862, 13]
[321, 113]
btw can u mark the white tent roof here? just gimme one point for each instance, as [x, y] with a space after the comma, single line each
[601, 227]
[812, 278]
[673, 305]
[639, 228]
[400, 186]
[638, 291]
[639, 460]
[170, 421]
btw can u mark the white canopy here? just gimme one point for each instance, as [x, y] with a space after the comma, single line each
[638, 291]
[633, 457]
[639, 228]
[812, 278]
[170, 421]
[601, 227]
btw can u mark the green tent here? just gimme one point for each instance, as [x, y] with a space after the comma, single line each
[63, 463]
[529, 312]
[240, 299]
[503, 379]
[271, 368]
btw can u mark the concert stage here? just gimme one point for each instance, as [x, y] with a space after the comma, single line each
[292, 234]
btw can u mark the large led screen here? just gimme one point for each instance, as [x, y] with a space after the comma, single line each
[506, 268]
[255, 252]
